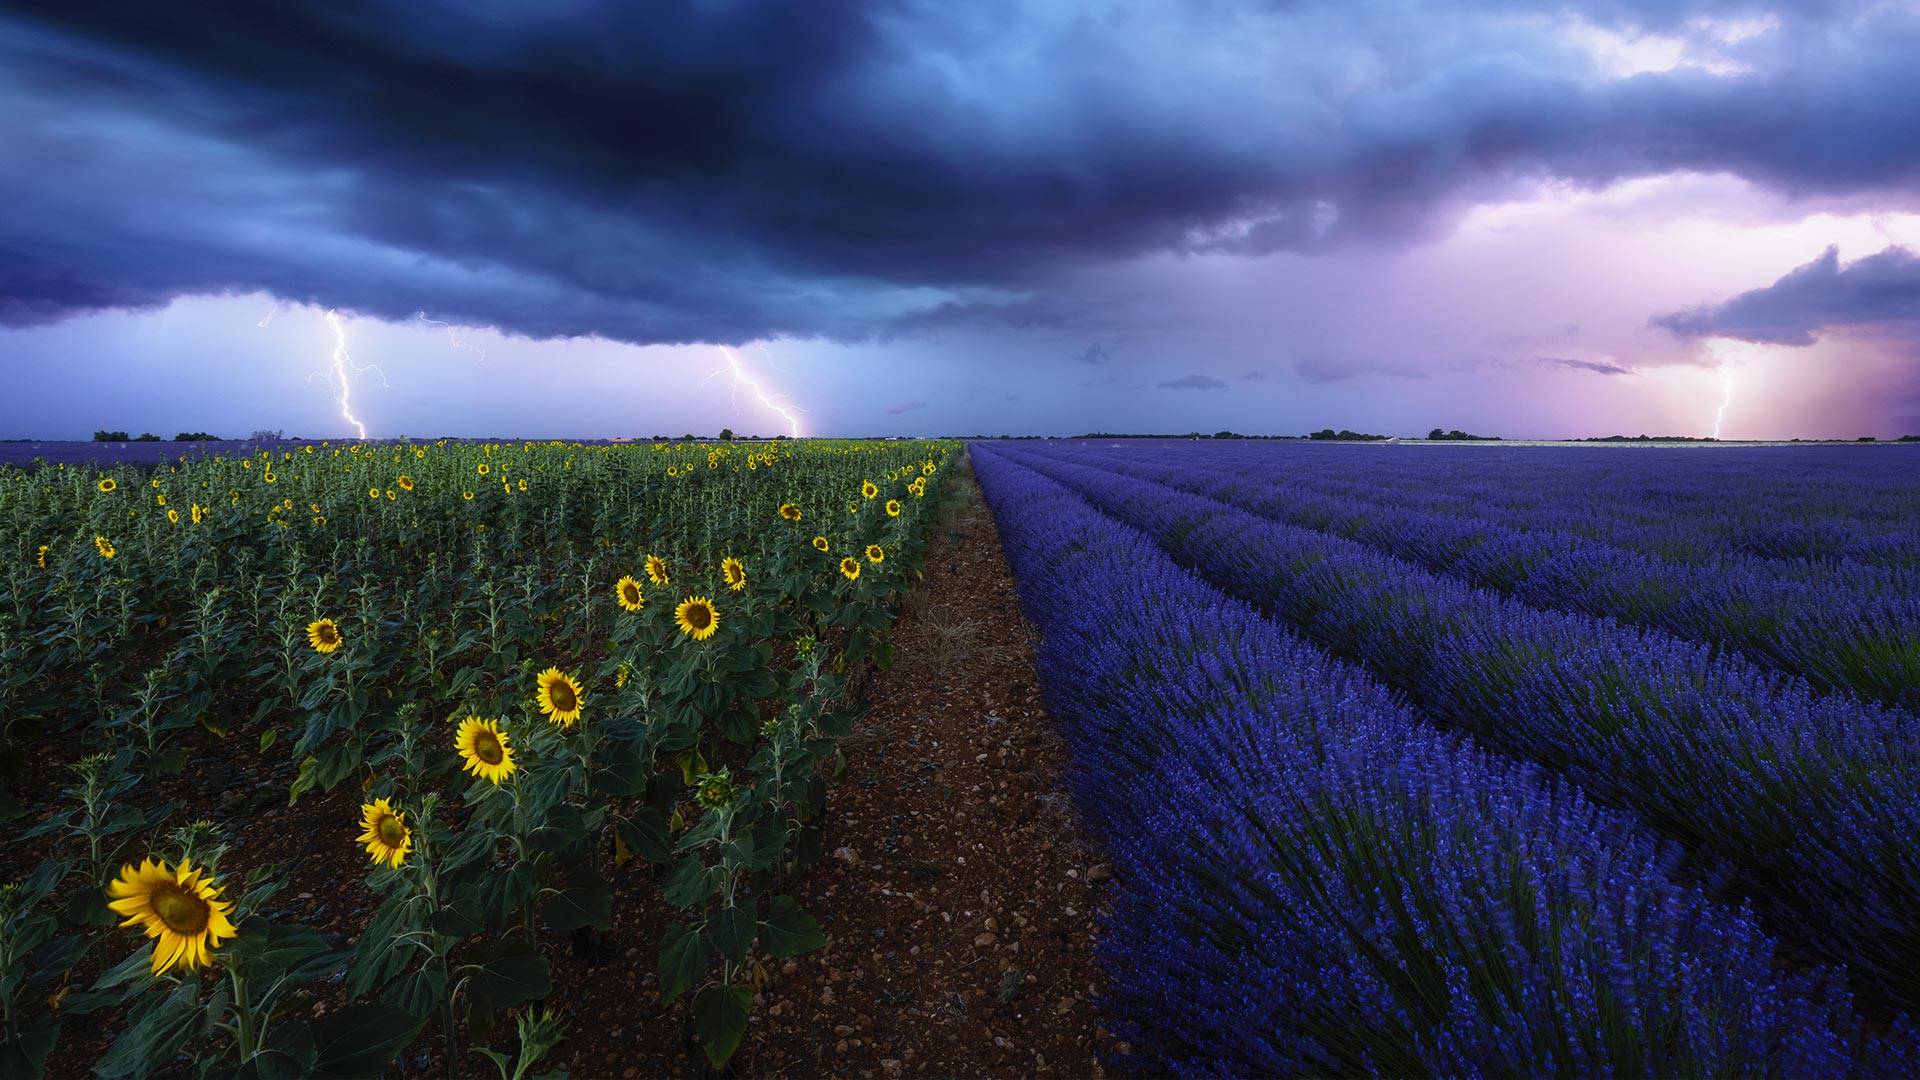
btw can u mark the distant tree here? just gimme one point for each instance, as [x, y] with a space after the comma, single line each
[1225, 435]
[267, 436]
[196, 436]
[1866, 438]
[146, 436]
[726, 434]
[688, 437]
[111, 436]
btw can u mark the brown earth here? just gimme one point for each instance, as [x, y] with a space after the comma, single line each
[957, 900]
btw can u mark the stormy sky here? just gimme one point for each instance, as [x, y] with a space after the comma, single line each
[906, 217]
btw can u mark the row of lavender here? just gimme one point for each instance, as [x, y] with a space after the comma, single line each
[1313, 879]
[1812, 801]
[1849, 633]
[1797, 508]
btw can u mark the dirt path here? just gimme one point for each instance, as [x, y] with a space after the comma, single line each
[958, 901]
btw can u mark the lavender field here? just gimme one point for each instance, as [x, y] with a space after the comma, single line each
[1490, 760]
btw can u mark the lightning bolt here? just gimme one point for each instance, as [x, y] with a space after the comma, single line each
[453, 338]
[341, 366]
[740, 378]
[268, 317]
[1726, 398]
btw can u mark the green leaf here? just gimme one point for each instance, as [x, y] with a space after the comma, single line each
[720, 1019]
[645, 834]
[151, 1040]
[267, 737]
[590, 905]
[270, 951]
[683, 960]
[731, 929]
[505, 973]
[360, 1040]
[418, 992]
[691, 882]
[789, 930]
[27, 1056]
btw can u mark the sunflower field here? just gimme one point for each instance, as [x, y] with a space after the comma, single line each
[540, 670]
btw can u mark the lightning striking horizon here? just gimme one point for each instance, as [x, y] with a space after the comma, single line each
[741, 378]
[1726, 398]
[343, 366]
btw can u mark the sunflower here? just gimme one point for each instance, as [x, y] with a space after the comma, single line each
[482, 469]
[560, 697]
[197, 512]
[42, 557]
[868, 490]
[373, 493]
[268, 476]
[621, 674]
[405, 482]
[173, 517]
[523, 485]
[850, 568]
[893, 507]
[876, 553]
[104, 547]
[467, 495]
[323, 635]
[107, 485]
[790, 512]
[735, 574]
[384, 831]
[485, 749]
[390, 495]
[820, 543]
[159, 500]
[697, 617]
[179, 907]
[628, 592]
[657, 570]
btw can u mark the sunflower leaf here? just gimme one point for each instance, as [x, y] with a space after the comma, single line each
[505, 973]
[683, 959]
[720, 1019]
[789, 930]
[731, 929]
[360, 1040]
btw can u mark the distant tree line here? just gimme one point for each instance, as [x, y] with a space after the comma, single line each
[148, 436]
[1456, 435]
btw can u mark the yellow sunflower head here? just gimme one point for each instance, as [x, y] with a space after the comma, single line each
[268, 476]
[629, 593]
[621, 674]
[790, 512]
[484, 749]
[482, 469]
[373, 493]
[324, 635]
[159, 500]
[850, 568]
[697, 617]
[42, 557]
[197, 512]
[173, 517]
[735, 573]
[820, 543]
[107, 485]
[405, 482]
[876, 553]
[467, 495]
[893, 507]
[384, 832]
[657, 570]
[390, 495]
[560, 697]
[868, 490]
[179, 907]
[104, 546]
[522, 485]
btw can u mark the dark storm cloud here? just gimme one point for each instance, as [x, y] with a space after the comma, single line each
[904, 407]
[1193, 382]
[1879, 292]
[1598, 367]
[707, 172]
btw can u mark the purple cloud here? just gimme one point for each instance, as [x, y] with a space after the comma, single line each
[1881, 291]
[1193, 382]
